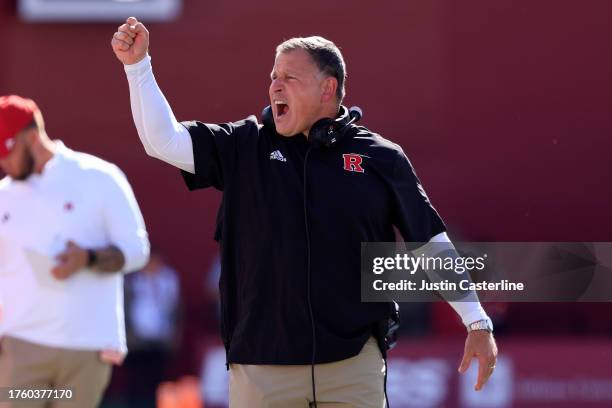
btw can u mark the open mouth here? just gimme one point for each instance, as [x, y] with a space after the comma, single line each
[281, 109]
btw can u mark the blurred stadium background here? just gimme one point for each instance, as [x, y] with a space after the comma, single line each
[503, 107]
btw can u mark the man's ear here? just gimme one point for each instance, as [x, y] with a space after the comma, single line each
[329, 85]
[30, 136]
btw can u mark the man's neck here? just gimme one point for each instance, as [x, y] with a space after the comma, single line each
[328, 112]
[44, 152]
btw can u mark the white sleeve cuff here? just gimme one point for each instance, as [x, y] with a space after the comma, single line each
[135, 253]
[140, 66]
[470, 312]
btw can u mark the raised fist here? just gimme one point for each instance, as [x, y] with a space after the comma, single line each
[131, 41]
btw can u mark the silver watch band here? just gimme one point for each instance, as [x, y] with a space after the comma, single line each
[483, 324]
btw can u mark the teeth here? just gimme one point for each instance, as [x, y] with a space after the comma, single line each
[280, 103]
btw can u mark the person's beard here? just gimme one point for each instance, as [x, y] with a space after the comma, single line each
[27, 169]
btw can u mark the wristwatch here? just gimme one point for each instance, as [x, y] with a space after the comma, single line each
[92, 257]
[483, 324]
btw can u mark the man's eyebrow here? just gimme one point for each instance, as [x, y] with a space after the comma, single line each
[285, 73]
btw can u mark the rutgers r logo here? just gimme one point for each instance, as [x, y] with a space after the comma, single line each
[352, 162]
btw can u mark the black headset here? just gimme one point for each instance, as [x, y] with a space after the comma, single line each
[325, 132]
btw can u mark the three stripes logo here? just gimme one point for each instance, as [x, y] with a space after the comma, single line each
[277, 155]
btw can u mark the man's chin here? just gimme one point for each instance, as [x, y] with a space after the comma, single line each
[25, 173]
[284, 132]
[22, 176]
[289, 132]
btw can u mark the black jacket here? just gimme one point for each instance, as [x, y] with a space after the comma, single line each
[279, 234]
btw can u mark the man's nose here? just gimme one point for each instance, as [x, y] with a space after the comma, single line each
[276, 86]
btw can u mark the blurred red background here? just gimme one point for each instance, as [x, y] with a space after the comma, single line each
[503, 108]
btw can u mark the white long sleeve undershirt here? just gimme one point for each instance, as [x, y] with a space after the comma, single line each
[470, 310]
[164, 138]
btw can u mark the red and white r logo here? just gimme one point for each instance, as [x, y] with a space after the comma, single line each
[352, 162]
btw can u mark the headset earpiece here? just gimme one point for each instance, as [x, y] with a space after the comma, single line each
[267, 117]
[326, 132]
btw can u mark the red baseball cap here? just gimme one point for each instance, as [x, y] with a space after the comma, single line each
[15, 114]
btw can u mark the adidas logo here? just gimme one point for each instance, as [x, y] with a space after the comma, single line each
[277, 155]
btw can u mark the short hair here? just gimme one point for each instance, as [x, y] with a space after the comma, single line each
[37, 123]
[325, 54]
[33, 124]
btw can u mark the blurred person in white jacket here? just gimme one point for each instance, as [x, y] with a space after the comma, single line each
[70, 227]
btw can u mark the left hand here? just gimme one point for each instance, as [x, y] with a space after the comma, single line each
[480, 344]
[73, 259]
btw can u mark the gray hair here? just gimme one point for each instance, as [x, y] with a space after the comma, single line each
[325, 54]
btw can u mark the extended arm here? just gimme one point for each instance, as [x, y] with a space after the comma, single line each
[479, 344]
[468, 308]
[162, 136]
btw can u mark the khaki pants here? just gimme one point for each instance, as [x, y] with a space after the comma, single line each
[356, 382]
[28, 365]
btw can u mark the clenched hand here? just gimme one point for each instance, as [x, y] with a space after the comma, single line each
[73, 259]
[131, 41]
